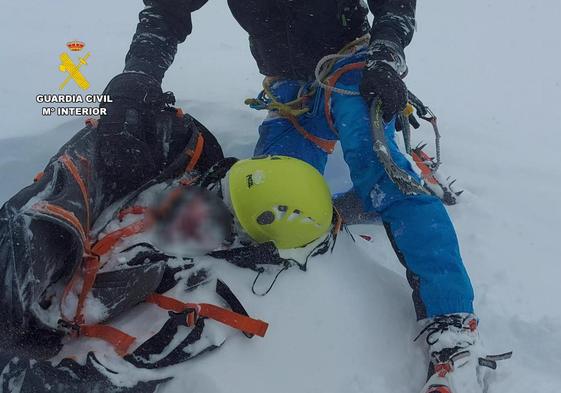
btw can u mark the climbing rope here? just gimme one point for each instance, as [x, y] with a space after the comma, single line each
[295, 108]
[325, 65]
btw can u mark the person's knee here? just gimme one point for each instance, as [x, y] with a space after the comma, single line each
[278, 137]
[271, 134]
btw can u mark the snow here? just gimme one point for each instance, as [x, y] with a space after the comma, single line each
[489, 69]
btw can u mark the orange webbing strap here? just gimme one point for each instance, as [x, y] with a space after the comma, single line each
[326, 145]
[90, 267]
[104, 245]
[120, 340]
[331, 82]
[65, 215]
[71, 167]
[166, 302]
[233, 319]
[204, 310]
[195, 154]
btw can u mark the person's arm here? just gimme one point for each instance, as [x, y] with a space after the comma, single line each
[392, 31]
[163, 24]
[394, 20]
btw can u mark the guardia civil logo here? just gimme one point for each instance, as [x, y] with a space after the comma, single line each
[73, 69]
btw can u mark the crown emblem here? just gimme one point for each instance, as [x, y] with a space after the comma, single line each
[75, 46]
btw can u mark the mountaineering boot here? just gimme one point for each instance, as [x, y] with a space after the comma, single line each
[456, 364]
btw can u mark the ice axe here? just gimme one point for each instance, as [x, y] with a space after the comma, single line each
[403, 180]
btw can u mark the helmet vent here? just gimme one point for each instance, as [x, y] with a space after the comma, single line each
[280, 211]
[266, 218]
[294, 215]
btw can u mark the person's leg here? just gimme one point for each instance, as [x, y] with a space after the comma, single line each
[277, 135]
[418, 226]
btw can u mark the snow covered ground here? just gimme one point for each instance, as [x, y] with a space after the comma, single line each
[488, 68]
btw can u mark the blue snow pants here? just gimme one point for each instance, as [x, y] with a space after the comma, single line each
[418, 226]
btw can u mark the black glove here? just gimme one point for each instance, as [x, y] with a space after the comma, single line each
[382, 77]
[129, 142]
[136, 98]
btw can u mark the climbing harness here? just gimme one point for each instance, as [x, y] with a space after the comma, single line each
[326, 80]
[299, 106]
[290, 111]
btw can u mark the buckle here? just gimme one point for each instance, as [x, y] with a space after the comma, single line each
[70, 328]
[187, 317]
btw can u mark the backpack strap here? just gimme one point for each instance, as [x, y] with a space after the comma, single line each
[154, 352]
[120, 340]
[194, 152]
[195, 311]
[252, 256]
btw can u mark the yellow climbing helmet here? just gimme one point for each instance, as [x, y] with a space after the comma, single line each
[280, 199]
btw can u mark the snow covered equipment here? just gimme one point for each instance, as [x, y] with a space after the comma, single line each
[74, 256]
[434, 181]
[428, 166]
[280, 199]
[455, 351]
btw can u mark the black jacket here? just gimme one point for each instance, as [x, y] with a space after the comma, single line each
[287, 37]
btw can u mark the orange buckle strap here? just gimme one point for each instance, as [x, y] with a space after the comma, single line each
[204, 310]
[118, 339]
[233, 319]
